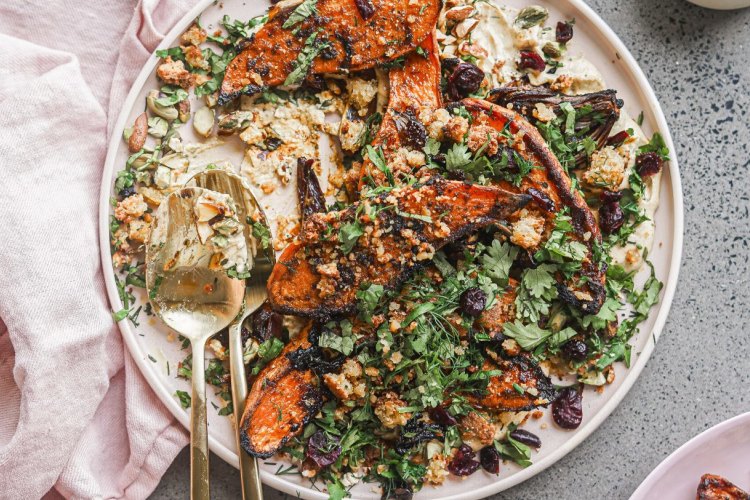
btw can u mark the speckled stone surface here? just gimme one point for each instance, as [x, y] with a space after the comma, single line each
[698, 61]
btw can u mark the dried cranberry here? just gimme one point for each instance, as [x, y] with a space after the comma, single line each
[575, 349]
[463, 463]
[610, 196]
[322, 449]
[472, 301]
[266, 323]
[489, 457]
[440, 416]
[567, 409]
[648, 164]
[611, 217]
[366, 8]
[449, 64]
[563, 32]
[531, 60]
[526, 437]
[618, 138]
[464, 80]
[411, 131]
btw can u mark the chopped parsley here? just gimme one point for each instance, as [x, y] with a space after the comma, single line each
[184, 398]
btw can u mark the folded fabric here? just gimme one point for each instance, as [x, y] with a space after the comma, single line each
[76, 415]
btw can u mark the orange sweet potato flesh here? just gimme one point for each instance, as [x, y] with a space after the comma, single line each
[281, 401]
[713, 487]
[502, 394]
[394, 29]
[554, 184]
[412, 87]
[400, 232]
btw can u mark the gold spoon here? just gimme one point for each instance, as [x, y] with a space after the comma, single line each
[248, 211]
[193, 299]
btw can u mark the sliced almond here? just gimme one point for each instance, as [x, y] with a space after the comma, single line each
[459, 13]
[465, 27]
[204, 231]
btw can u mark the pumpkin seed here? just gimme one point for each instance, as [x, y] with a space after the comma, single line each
[169, 113]
[157, 126]
[211, 99]
[531, 16]
[552, 49]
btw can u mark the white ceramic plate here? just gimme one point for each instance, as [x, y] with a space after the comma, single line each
[724, 449]
[149, 346]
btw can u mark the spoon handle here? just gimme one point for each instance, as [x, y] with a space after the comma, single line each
[249, 473]
[199, 489]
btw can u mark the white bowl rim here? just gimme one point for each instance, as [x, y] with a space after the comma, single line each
[587, 429]
[742, 420]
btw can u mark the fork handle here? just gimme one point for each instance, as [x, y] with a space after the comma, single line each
[199, 486]
[249, 474]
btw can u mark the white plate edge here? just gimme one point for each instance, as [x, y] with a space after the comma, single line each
[272, 480]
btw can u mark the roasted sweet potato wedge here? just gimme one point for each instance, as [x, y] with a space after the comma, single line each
[503, 392]
[341, 35]
[414, 86]
[281, 401]
[552, 190]
[379, 240]
[713, 487]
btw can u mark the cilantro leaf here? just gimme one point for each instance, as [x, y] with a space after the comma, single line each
[539, 281]
[368, 297]
[344, 345]
[527, 336]
[349, 233]
[498, 261]
[559, 338]
[607, 313]
[536, 292]
[616, 352]
[458, 156]
[336, 490]
[656, 145]
[431, 147]
[269, 349]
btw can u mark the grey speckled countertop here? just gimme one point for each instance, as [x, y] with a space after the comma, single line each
[698, 61]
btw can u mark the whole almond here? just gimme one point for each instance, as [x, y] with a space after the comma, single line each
[140, 130]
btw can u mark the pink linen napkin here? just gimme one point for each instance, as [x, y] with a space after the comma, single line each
[76, 415]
